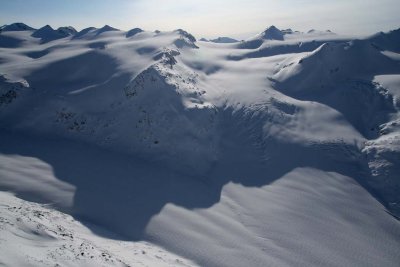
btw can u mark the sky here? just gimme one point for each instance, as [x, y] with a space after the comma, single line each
[208, 18]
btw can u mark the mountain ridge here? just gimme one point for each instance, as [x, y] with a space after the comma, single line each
[244, 154]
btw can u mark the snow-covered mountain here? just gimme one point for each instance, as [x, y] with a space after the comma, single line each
[280, 150]
[224, 40]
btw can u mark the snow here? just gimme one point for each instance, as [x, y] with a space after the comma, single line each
[68, 30]
[280, 150]
[33, 234]
[46, 34]
[272, 33]
[18, 26]
[288, 212]
[133, 32]
[224, 40]
[387, 41]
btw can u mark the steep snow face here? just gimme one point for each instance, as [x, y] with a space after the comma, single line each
[383, 152]
[220, 153]
[170, 114]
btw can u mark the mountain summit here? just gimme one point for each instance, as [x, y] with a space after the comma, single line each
[18, 26]
[272, 33]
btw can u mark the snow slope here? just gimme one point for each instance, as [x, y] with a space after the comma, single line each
[36, 235]
[281, 150]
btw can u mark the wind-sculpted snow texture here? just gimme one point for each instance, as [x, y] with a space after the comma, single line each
[280, 150]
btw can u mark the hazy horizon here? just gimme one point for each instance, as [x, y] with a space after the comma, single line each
[235, 18]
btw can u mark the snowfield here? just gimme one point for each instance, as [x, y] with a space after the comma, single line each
[147, 148]
[35, 235]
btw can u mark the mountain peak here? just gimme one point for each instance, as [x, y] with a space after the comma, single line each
[107, 28]
[185, 39]
[44, 32]
[133, 32]
[47, 33]
[224, 40]
[67, 30]
[272, 33]
[47, 27]
[18, 26]
[184, 33]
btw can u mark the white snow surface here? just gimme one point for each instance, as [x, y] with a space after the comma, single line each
[37, 235]
[152, 149]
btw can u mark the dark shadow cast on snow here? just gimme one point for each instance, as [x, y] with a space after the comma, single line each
[122, 193]
[76, 72]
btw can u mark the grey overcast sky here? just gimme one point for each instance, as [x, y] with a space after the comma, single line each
[209, 18]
